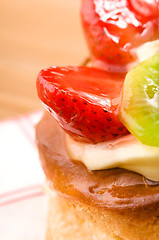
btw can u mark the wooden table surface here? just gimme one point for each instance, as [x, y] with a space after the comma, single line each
[35, 34]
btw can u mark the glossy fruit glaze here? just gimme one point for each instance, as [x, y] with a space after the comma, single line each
[113, 28]
[84, 101]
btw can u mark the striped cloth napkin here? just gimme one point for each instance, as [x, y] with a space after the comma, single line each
[23, 205]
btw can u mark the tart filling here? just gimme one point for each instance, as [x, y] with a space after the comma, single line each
[126, 152]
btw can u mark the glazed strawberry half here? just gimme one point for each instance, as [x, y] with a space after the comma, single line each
[84, 101]
[114, 27]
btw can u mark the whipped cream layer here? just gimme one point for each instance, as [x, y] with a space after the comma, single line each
[126, 152]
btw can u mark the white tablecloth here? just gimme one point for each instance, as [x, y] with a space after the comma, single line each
[23, 205]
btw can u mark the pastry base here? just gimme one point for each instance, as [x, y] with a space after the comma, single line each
[67, 223]
[67, 220]
[113, 204]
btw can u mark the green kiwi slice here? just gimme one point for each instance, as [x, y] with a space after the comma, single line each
[140, 101]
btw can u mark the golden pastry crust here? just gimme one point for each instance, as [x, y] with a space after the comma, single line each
[73, 221]
[117, 201]
[65, 222]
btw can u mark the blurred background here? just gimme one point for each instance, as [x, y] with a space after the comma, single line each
[35, 34]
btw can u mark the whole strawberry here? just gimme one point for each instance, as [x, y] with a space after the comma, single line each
[84, 101]
[113, 28]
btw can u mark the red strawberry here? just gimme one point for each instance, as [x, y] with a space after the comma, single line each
[114, 27]
[84, 101]
[149, 9]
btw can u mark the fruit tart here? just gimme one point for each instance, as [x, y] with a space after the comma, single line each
[99, 138]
